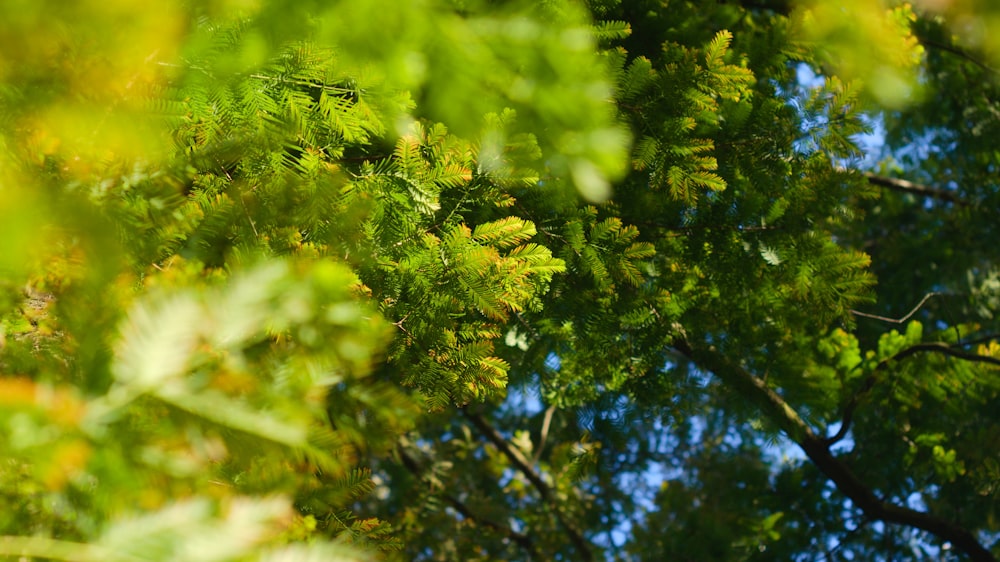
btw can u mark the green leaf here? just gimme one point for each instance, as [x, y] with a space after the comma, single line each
[770, 255]
[717, 48]
[504, 233]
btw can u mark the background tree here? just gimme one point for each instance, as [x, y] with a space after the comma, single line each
[763, 286]
[301, 280]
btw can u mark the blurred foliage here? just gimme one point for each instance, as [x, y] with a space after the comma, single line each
[858, 41]
[471, 280]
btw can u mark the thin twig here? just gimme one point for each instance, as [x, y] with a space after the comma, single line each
[546, 422]
[319, 85]
[243, 203]
[253, 225]
[897, 320]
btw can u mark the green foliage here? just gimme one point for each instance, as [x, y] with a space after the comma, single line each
[207, 384]
[682, 161]
[238, 382]
[889, 64]
[329, 280]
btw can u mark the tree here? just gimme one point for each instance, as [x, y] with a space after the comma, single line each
[302, 280]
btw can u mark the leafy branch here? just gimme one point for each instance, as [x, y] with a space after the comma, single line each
[817, 449]
[872, 378]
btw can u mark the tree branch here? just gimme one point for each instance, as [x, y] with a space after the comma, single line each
[544, 434]
[869, 382]
[896, 320]
[915, 188]
[522, 540]
[947, 349]
[524, 465]
[817, 449]
[958, 52]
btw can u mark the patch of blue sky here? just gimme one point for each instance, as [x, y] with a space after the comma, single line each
[872, 144]
[525, 399]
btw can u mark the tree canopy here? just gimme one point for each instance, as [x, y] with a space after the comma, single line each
[499, 280]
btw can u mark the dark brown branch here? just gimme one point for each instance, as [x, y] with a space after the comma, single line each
[524, 465]
[915, 188]
[522, 540]
[818, 451]
[845, 421]
[946, 349]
